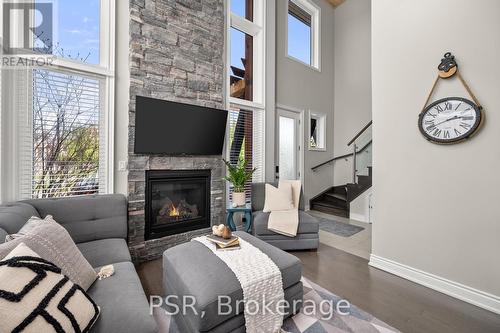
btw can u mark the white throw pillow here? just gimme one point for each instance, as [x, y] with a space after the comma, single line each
[296, 189]
[36, 297]
[280, 198]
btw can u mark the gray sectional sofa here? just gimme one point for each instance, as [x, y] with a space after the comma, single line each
[307, 235]
[98, 225]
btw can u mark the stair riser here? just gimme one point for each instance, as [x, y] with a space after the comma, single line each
[340, 190]
[364, 180]
[332, 211]
[335, 201]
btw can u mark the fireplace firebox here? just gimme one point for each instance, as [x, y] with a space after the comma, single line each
[177, 201]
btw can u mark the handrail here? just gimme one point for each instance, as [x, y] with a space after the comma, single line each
[360, 132]
[341, 157]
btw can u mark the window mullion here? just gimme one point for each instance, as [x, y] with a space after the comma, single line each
[244, 25]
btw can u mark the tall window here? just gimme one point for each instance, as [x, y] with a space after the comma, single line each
[303, 32]
[246, 84]
[63, 108]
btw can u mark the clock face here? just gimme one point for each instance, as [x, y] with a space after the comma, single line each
[449, 120]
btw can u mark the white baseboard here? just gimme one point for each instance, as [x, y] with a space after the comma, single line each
[358, 217]
[454, 289]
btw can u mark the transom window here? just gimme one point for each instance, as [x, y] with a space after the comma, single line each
[246, 51]
[303, 32]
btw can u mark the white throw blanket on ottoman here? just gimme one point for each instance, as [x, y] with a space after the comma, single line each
[260, 281]
[286, 222]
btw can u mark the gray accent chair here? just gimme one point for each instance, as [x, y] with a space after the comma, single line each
[307, 235]
[98, 225]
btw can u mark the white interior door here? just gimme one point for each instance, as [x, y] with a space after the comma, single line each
[288, 145]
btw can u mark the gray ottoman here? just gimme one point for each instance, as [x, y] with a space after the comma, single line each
[192, 269]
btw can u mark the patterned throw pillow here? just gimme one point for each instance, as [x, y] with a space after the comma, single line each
[52, 242]
[36, 297]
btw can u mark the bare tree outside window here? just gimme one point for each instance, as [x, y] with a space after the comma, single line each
[65, 134]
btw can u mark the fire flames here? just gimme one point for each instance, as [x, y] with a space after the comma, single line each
[174, 212]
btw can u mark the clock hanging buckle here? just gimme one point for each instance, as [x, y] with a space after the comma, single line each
[447, 68]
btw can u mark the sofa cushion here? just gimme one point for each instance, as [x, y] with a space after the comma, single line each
[105, 251]
[124, 306]
[89, 217]
[307, 224]
[181, 261]
[14, 215]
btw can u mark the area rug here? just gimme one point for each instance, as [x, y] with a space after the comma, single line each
[338, 228]
[355, 321]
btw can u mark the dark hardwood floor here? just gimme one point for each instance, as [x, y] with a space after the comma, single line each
[402, 304]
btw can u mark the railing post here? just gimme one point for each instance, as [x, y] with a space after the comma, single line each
[354, 164]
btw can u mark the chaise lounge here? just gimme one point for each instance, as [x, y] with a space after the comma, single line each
[307, 235]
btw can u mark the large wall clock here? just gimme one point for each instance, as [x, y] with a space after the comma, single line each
[451, 119]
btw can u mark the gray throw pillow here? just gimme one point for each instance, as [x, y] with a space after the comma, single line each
[52, 242]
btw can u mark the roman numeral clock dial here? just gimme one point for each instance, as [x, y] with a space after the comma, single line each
[450, 120]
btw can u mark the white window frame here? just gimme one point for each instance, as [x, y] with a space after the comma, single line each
[315, 11]
[321, 131]
[256, 29]
[104, 71]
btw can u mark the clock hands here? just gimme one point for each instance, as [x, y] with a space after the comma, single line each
[449, 119]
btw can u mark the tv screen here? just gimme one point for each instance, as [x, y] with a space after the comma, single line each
[163, 127]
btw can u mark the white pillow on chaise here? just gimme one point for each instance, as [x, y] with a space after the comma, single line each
[278, 199]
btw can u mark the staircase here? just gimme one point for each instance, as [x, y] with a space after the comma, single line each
[336, 200]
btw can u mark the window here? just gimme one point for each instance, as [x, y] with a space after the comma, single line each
[317, 131]
[246, 85]
[303, 32]
[63, 108]
[243, 8]
[246, 140]
[66, 119]
[246, 51]
[241, 65]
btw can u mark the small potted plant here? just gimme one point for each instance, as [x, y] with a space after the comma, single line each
[238, 175]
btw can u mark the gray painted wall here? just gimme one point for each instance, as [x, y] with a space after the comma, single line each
[305, 88]
[436, 206]
[353, 102]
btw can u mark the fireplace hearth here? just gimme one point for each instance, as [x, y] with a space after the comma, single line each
[177, 201]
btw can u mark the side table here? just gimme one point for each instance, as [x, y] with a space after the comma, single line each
[246, 210]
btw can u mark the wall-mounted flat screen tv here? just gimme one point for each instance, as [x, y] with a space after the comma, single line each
[163, 127]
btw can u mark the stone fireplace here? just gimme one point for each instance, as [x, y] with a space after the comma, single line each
[176, 54]
[177, 201]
